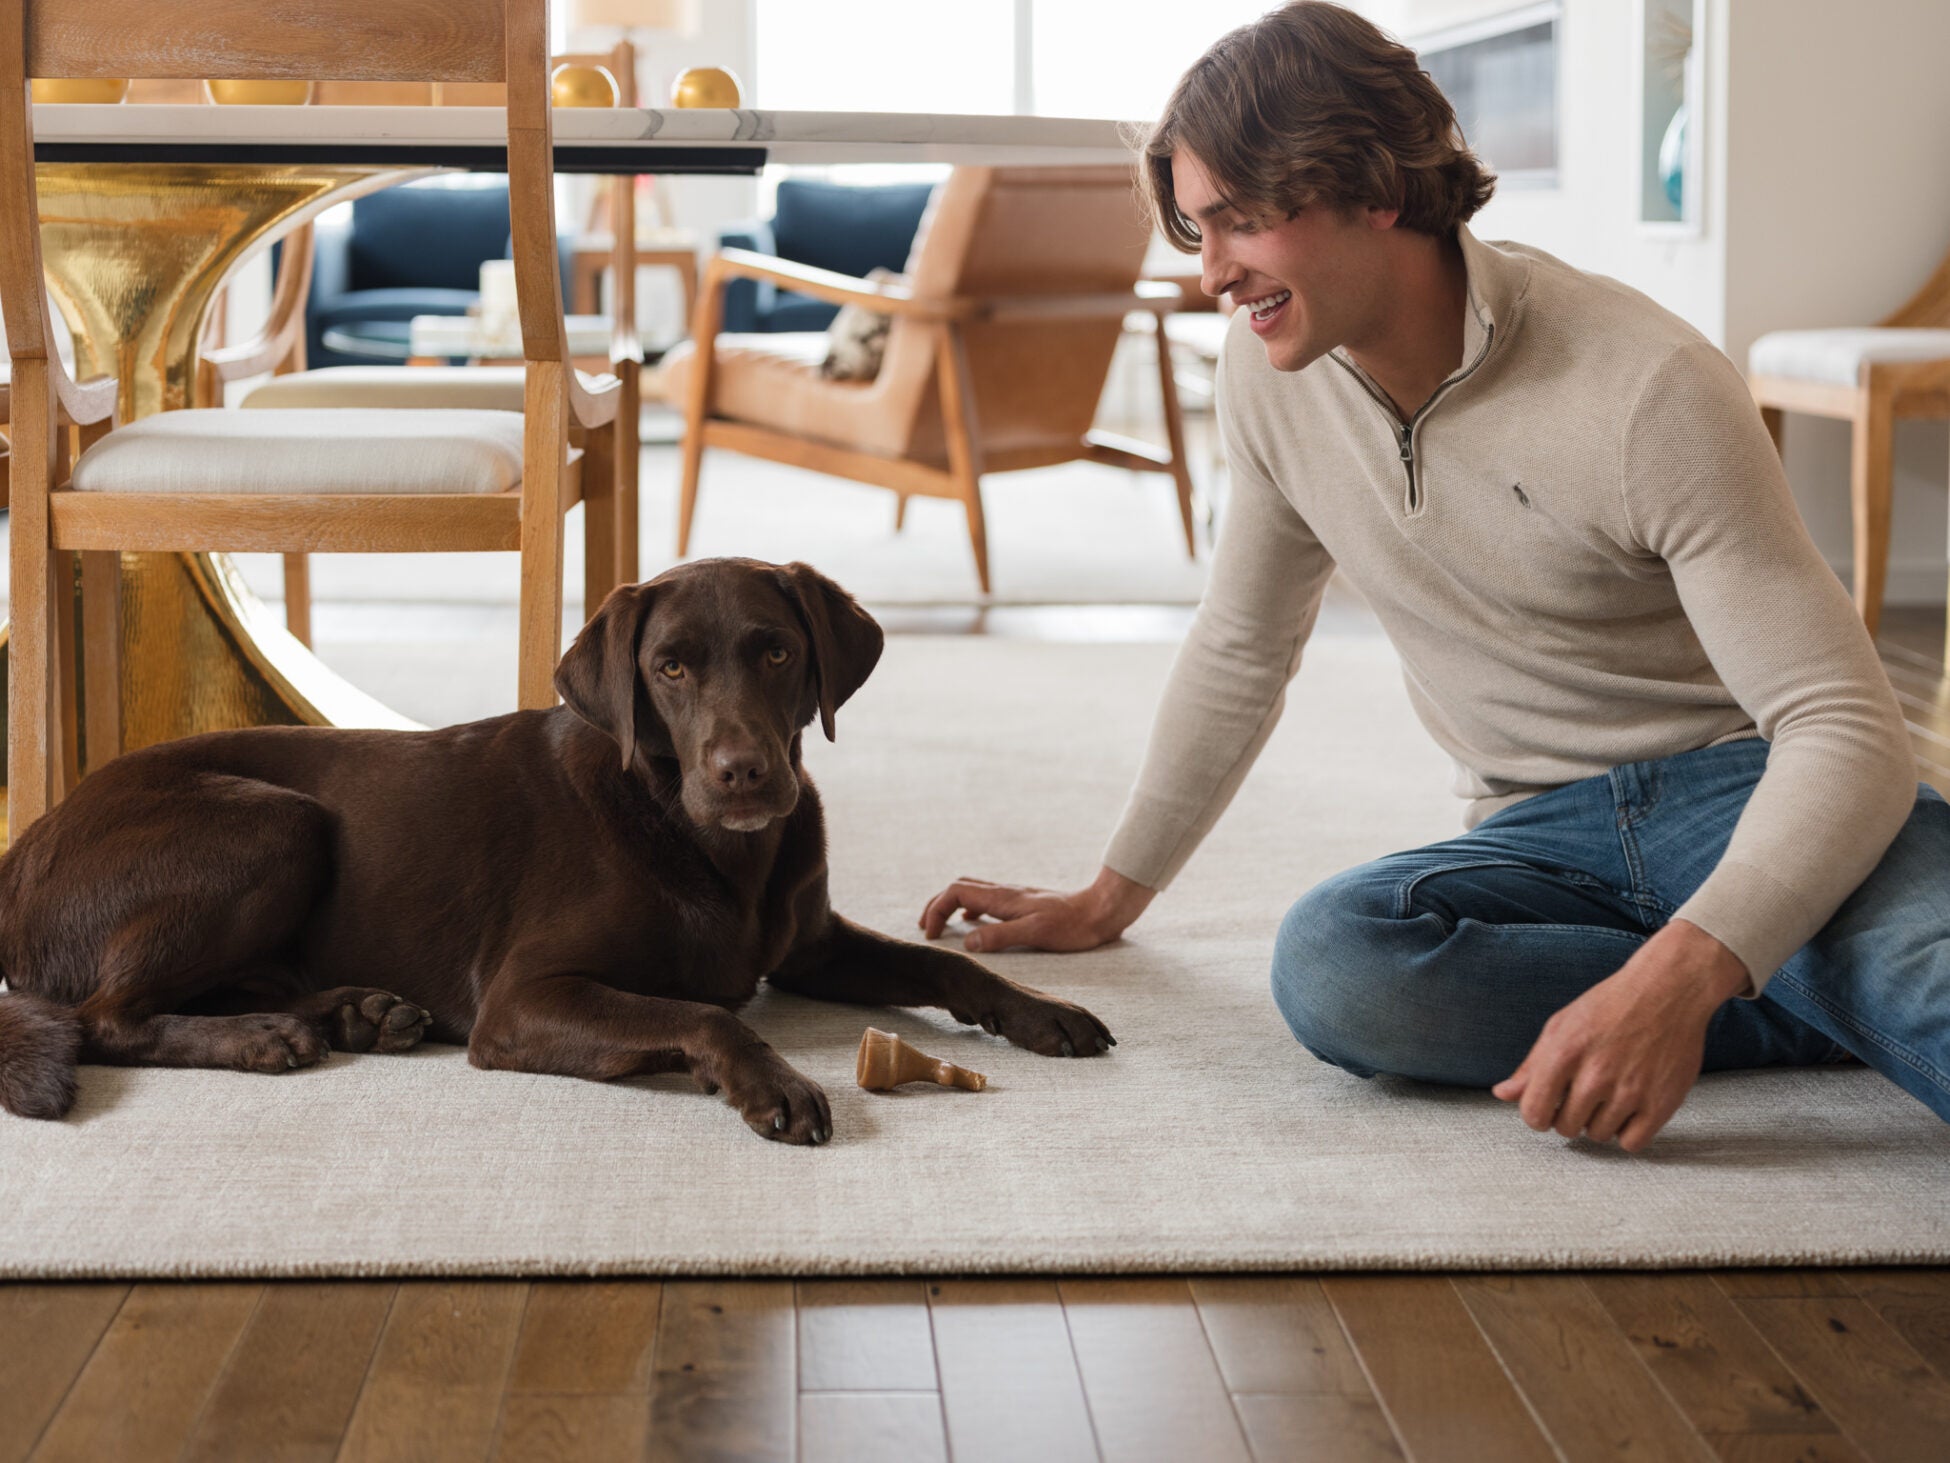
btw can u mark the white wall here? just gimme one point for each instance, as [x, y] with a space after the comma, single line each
[1827, 202]
[1838, 208]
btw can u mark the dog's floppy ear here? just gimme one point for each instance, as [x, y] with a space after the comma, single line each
[598, 678]
[845, 639]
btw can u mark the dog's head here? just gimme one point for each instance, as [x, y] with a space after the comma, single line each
[717, 666]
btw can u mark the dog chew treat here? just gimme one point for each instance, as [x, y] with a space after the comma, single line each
[887, 1061]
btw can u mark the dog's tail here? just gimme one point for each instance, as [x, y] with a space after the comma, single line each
[40, 1045]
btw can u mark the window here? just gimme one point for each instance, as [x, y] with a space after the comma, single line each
[1073, 58]
[1500, 75]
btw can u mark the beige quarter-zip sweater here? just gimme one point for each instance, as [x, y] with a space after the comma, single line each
[1585, 552]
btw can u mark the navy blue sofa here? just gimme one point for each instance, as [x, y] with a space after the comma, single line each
[410, 251]
[848, 228]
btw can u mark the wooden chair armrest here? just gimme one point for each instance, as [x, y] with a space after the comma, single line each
[826, 284]
[84, 403]
[1151, 296]
[252, 358]
[593, 400]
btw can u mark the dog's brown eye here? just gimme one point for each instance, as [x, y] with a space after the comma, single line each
[671, 669]
[777, 655]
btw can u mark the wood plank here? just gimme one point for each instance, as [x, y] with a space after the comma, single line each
[434, 1389]
[864, 1336]
[1277, 1333]
[1785, 1448]
[1916, 1303]
[47, 1334]
[1441, 1387]
[1323, 1427]
[295, 1374]
[140, 1393]
[1154, 1386]
[1707, 1356]
[564, 1427]
[871, 1427]
[275, 523]
[587, 1336]
[1577, 1370]
[1009, 1383]
[1758, 1284]
[725, 1382]
[1881, 1394]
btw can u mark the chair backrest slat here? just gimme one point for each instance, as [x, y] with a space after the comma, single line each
[998, 231]
[345, 40]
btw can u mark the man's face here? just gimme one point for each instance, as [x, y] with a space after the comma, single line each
[1327, 262]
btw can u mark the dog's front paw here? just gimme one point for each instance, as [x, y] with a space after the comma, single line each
[774, 1100]
[1044, 1024]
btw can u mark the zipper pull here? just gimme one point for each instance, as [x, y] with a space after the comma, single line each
[1408, 443]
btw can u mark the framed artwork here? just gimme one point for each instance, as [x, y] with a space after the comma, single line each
[1669, 76]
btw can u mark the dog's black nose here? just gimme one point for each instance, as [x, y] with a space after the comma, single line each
[738, 768]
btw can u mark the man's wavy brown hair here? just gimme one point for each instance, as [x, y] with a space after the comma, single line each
[1312, 104]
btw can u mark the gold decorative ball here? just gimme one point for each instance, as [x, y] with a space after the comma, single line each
[705, 86]
[258, 93]
[573, 84]
[97, 89]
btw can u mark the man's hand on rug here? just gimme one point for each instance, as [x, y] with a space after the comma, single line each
[1618, 1061]
[1038, 919]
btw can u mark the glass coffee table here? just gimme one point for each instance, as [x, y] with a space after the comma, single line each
[389, 340]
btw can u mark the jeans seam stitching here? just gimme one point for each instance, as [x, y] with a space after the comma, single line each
[1915, 1063]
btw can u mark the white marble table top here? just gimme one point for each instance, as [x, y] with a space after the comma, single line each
[587, 139]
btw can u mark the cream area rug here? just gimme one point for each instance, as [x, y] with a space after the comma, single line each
[1207, 1140]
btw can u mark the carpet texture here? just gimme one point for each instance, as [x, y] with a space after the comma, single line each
[1207, 1140]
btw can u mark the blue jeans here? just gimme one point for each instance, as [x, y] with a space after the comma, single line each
[1443, 963]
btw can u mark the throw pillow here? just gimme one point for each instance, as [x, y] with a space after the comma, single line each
[857, 338]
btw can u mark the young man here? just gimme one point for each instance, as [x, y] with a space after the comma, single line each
[1688, 777]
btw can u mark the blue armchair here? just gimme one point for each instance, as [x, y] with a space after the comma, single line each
[843, 227]
[409, 251]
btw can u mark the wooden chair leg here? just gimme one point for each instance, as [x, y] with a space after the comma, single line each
[959, 427]
[601, 554]
[297, 597]
[545, 478]
[629, 463]
[1181, 472]
[900, 511]
[1775, 420]
[65, 684]
[1870, 485]
[101, 655]
[31, 699]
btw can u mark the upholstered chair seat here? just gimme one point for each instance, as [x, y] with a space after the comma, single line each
[374, 450]
[772, 380]
[1836, 357]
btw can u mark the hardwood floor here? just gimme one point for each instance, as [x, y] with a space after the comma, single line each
[1745, 1366]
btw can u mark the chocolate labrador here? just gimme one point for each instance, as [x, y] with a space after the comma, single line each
[590, 890]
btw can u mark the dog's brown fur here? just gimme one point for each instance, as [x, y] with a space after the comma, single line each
[590, 891]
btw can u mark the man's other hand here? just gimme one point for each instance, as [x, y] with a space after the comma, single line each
[1618, 1061]
[1038, 919]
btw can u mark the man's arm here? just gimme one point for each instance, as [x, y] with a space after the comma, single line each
[1704, 490]
[1222, 701]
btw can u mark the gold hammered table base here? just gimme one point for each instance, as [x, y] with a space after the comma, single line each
[134, 254]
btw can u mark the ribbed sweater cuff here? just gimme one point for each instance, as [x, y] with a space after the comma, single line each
[1754, 915]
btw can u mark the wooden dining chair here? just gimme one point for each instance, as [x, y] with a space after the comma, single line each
[280, 347]
[1001, 340]
[336, 480]
[1871, 378]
